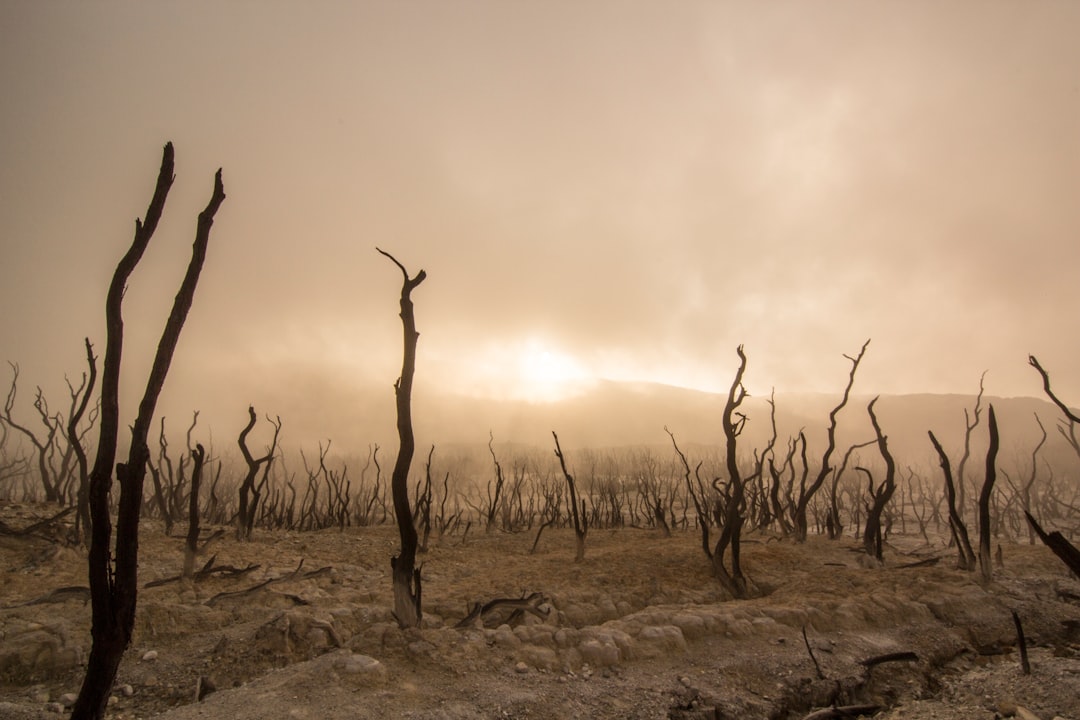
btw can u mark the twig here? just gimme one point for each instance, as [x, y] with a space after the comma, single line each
[821, 675]
[1022, 642]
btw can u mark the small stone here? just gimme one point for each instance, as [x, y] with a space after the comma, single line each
[55, 708]
[126, 690]
[68, 699]
[150, 656]
[113, 700]
[521, 668]
[685, 681]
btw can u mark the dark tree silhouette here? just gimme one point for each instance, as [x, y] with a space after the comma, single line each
[731, 507]
[966, 561]
[581, 520]
[44, 446]
[807, 493]
[1067, 431]
[880, 495]
[986, 567]
[82, 514]
[245, 519]
[406, 575]
[113, 580]
[191, 542]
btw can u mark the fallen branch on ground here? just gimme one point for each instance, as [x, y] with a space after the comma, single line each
[526, 604]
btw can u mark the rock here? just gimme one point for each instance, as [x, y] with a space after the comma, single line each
[521, 668]
[204, 687]
[658, 640]
[505, 638]
[540, 657]
[55, 707]
[359, 670]
[68, 699]
[595, 651]
[126, 690]
[150, 656]
[37, 651]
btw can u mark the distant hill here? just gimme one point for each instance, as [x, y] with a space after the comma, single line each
[615, 414]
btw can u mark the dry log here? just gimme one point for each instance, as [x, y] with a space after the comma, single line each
[1057, 542]
[528, 604]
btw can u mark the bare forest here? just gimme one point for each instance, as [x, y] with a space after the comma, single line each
[849, 559]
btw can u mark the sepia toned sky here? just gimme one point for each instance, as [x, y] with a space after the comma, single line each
[619, 190]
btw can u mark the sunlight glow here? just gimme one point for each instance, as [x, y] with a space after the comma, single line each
[530, 369]
[547, 375]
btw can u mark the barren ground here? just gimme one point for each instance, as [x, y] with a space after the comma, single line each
[638, 630]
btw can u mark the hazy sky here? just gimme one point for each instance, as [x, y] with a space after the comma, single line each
[595, 189]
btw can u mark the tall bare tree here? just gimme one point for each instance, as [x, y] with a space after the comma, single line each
[249, 493]
[581, 520]
[966, 561]
[45, 444]
[82, 513]
[986, 567]
[807, 493]
[732, 497]
[113, 577]
[1067, 431]
[881, 494]
[407, 595]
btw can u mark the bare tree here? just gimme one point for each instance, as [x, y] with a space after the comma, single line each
[43, 446]
[880, 495]
[1067, 431]
[245, 519]
[113, 578]
[732, 497]
[966, 561]
[82, 513]
[807, 493]
[191, 542]
[493, 500]
[581, 520]
[971, 421]
[407, 589]
[986, 567]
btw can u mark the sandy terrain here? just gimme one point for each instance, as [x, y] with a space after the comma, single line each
[638, 630]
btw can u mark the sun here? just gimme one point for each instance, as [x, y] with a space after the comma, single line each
[547, 374]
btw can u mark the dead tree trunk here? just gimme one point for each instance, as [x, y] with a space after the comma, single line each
[986, 567]
[581, 520]
[731, 509]
[966, 561]
[883, 493]
[1068, 433]
[191, 544]
[245, 519]
[82, 512]
[114, 581]
[493, 501]
[1065, 550]
[44, 447]
[806, 494]
[969, 427]
[406, 576]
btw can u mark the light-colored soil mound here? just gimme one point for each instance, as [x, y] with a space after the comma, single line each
[640, 629]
